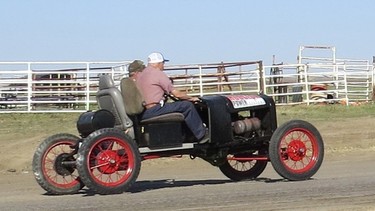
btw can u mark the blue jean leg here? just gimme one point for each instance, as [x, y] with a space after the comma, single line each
[192, 118]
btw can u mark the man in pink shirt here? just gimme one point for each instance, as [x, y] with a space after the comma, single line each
[153, 83]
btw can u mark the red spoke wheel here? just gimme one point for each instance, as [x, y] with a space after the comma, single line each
[54, 165]
[108, 161]
[296, 150]
[238, 170]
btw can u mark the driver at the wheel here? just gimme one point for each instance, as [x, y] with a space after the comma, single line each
[153, 83]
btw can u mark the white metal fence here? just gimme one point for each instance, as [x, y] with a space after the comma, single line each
[52, 86]
[218, 78]
[71, 86]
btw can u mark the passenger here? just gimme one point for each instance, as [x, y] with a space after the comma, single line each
[130, 94]
[134, 68]
[153, 83]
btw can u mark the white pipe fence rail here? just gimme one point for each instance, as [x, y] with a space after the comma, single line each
[53, 86]
[27, 87]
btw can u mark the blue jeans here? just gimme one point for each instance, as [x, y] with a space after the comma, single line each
[192, 118]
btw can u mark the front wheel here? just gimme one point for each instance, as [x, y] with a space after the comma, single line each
[296, 150]
[108, 161]
[54, 165]
[239, 167]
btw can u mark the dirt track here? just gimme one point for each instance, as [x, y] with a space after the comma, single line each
[343, 183]
[346, 181]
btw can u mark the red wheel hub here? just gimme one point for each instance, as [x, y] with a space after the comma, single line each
[108, 161]
[296, 150]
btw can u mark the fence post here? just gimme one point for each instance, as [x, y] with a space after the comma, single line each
[346, 89]
[200, 81]
[261, 78]
[29, 86]
[87, 86]
[306, 67]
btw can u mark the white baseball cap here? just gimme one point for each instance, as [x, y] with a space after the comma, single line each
[156, 57]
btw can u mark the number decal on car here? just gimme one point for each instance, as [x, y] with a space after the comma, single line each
[241, 101]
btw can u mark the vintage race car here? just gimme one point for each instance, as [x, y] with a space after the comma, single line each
[242, 132]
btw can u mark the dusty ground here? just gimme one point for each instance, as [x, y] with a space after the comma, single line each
[340, 137]
[349, 144]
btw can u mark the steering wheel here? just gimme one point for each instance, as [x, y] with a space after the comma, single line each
[172, 97]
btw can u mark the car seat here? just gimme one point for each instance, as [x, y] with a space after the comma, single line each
[110, 98]
[127, 102]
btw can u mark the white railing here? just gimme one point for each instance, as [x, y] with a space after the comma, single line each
[53, 86]
[358, 73]
[316, 83]
[219, 78]
[72, 86]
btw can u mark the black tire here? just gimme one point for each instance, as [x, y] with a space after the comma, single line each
[108, 161]
[296, 150]
[243, 170]
[49, 172]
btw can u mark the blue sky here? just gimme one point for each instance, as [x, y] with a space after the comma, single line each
[186, 32]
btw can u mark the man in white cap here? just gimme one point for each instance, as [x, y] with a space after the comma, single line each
[153, 83]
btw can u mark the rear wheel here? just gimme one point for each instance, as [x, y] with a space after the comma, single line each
[108, 161]
[54, 165]
[242, 169]
[296, 150]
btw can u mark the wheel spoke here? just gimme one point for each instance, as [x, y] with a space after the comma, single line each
[299, 150]
[99, 165]
[49, 166]
[109, 161]
[109, 172]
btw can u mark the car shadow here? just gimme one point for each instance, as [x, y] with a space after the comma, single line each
[148, 185]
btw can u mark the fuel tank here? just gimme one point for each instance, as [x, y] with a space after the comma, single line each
[90, 121]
